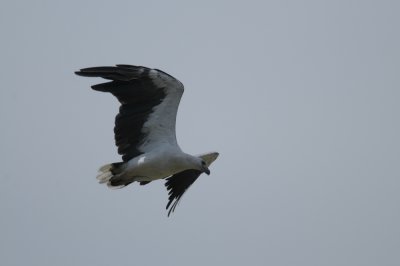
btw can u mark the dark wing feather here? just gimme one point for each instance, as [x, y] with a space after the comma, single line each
[138, 96]
[177, 185]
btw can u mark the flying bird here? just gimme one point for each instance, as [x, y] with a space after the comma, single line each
[145, 131]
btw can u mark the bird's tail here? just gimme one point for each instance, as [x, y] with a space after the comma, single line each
[111, 174]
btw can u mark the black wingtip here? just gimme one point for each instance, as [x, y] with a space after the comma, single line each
[177, 185]
[119, 72]
[173, 207]
[79, 73]
[84, 73]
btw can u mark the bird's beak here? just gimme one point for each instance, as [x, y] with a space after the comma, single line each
[206, 170]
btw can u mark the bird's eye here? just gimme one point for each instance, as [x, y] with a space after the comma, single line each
[203, 162]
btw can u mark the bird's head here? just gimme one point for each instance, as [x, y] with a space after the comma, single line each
[204, 167]
[199, 164]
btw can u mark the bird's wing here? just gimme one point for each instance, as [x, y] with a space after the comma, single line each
[177, 184]
[149, 103]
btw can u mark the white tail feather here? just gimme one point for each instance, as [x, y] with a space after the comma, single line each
[105, 167]
[105, 173]
[108, 174]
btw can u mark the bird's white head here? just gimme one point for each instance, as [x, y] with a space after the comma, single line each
[198, 163]
[204, 167]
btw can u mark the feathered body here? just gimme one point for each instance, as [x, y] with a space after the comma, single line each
[145, 130]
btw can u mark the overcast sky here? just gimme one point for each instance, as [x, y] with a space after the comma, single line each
[301, 99]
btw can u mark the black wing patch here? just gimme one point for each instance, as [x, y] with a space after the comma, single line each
[138, 96]
[178, 184]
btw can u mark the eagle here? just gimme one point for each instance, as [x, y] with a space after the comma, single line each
[145, 131]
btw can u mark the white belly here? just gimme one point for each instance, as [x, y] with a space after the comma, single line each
[156, 165]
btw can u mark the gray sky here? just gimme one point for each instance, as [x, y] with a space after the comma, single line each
[301, 99]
